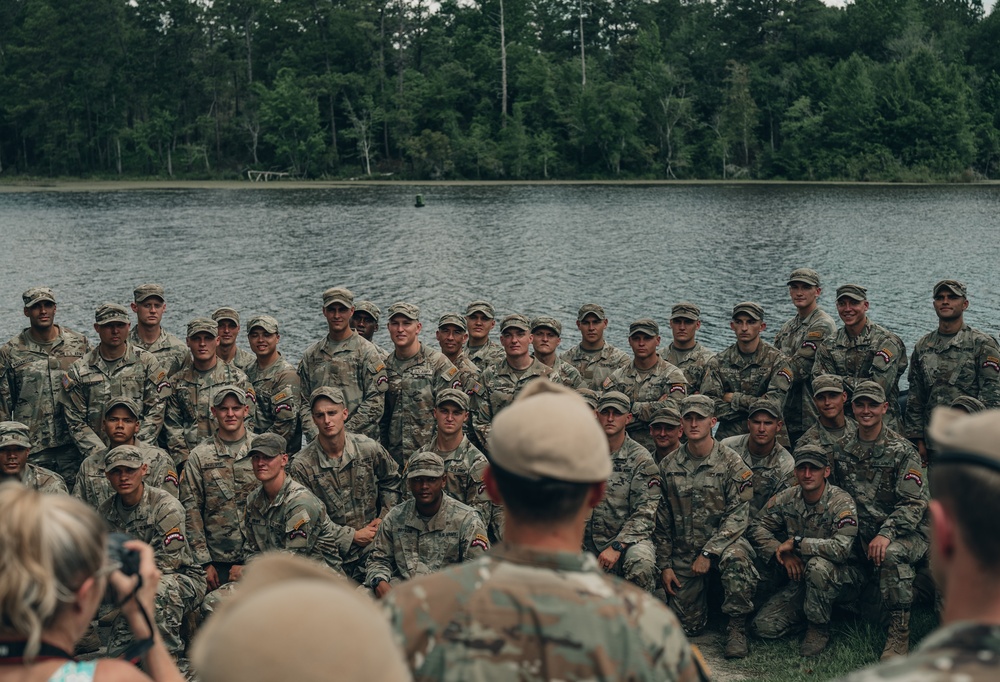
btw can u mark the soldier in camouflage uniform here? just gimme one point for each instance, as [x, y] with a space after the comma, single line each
[594, 357]
[15, 445]
[114, 368]
[619, 529]
[32, 366]
[539, 608]
[149, 304]
[275, 382]
[364, 321]
[425, 533]
[121, 427]
[799, 339]
[451, 336]
[749, 369]
[772, 465]
[346, 361]
[810, 530]
[480, 317]
[665, 430]
[503, 381]
[157, 518]
[863, 351]
[835, 429]
[464, 464]
[355, 478]
[954, 360]
[189, 418]
[700, 523]
[228, 321]
[649, 381]
[416, 374]
[881, 470]
[684, 350]
[546, 333]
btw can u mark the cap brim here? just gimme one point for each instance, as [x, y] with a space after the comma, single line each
[429, 473]
[809, 459]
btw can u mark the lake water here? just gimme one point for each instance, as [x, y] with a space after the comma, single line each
[528, 248]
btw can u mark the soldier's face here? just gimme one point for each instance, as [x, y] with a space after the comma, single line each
[426, 490]
[124, 479]
[42, 315]
[451, 338]
[113, 334]
[683, 329]
[338, 317]
[803, 295]
[949, 306]
[851, 311]
[329, 417]
[364, 324]
[544, 340]
[13, 459]
[810, 476]
[266, 468]
[263, 343]
[763, 427]
[830, 404]
[868, 412]
[450, 418]
[612, 421]
[403, 331]
[515, 342]
[592, 328]
[150, 311]
[665, 436]
[746, 328]
[230, 414]
[479, 326]
[643, 345]
[696, 427]
[202, 345]
[121, 426]
[228, 332]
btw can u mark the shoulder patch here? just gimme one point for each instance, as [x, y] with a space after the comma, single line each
[678, 388]
[746, 474]
[607, 383]
[785, 372]
[380, 367]
[67, 383]
[171, 477]
[809, 344]
[451, 371]
[915, 476]
[885, 354]
[476, 388]
[814, 335]
[480, 541]
[846, 512]
[252, 394]
[992, 362]
[172, 535]
[654, 481]
[284, 395]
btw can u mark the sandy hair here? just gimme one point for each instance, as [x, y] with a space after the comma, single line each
[49, 545]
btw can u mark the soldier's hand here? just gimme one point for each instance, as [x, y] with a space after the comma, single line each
[670, 582]
[382, 589]
[794, 567]
[211, 577]
[701, 565]
[727, 397]
[784, 551]
[364, 536]
[235, 572]
[876, 549]
[608, 558]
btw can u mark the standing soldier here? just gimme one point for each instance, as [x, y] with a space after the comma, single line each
[594, 357]
[799, 339]
[348, 362]
[863, 351]
[451, 335]
[228, 321]
[149, 304]
[546, 334]
[685, 351]
[275, 383]
[32, 366]
[15, 446]
[772, 466]
[835, 429]
[480, 318]
[954, 360]
[364, 321]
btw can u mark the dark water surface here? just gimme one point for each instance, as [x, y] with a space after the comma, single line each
[531, 249]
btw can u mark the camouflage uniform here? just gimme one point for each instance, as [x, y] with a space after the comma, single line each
[92, 485]
[169, 350]
[765, 374]
[357, 487]
[627, 514]
[828, 529]
[887, 483]
[468, 373]
[527, 614]
[486, 355]
[276, 388]
[771, 474]
[798, 339]
[833, 441]
[692, 361]
[41, 479]
[595, 365]
[500, 385]
[407, 545]
[244, 359]
[294, 522]
[91, 381]
[189, 418]
[158, 520]
[31, 376]
[648, 390]
[944, 367]
[876, 354]
[408, 422]
[706, 508]
[356, 368]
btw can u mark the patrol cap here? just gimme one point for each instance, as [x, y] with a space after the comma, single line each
[144, 291]
[268, 444]
[265, 322]
[855, 291]
[968, 403]
[338, 295]
[962, 438]
[590, 309]
[685, 310]
[764, 405]
[515, 321]
[828, 383]
[805, 276]
[952, 285]
[644, 325]
[294, 604]
[616, 400]
[14, 433]
[453, 319]
[699, 404]
[590, 396]
[811, 454]
[484, 307]
[368, 307]
[667, 414]
[331, 393]
[227, 390]
[37, 295]
[110, 312]
[548, 323]
[226, 314]
[202, 324]
[129, 404]
[128, 456]
[870, 390]
[425, 464]
[405, 309]
[548, 431]
[754, 310]
[452, 395]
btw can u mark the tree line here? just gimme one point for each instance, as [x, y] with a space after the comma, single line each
[501, 89]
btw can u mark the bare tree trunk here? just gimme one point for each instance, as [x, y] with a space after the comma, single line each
[118, 153]
[583, 57]
[503, 71]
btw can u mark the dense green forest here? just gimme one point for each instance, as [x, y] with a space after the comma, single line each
[501, 89]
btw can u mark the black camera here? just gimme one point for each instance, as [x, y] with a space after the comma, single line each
[118, 553]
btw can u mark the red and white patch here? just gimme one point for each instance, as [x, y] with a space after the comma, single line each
[283, 406]
[785, 373]
[809, 344]
[654, 481]
[171, 477]
[297, 533]
[174, 535]
[381, 380]
[914, 475]
[846, 521]
[678, 388]
[884, 354]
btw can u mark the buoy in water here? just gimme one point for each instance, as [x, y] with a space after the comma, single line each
[419, 203]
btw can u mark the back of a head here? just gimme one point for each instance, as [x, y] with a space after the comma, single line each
[49, 545]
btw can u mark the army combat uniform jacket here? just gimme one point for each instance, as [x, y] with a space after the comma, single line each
[662, 384]
[595, 366]
[169, 350]
[279, 400]
[692, 361]
[771, 474]
[799, 339]
[92, 485]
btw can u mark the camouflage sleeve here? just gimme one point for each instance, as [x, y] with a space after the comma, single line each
[481, 410]
[73, 399]
[475, 490]
[675, 389]
[473, 537]
[782, 377]
[389, 481]
[645, 490]
[736, 518]
[305, 409]
[173, 427]
[192, 497]
[802, 357]
[573, 377]
[714, 386]
[373, 381]
[823, 362]
[988, 372]
[310, 532]
[763, 532]
[888, 363]
[381, 559]
[913, 418]
[911, 497]
[446, 376]
[55, 484]
[843, 530]
[663, 532]
[170, 545]
[155, 390]
[8, 387]
[251, 547]
[162, 474]
[286, 403]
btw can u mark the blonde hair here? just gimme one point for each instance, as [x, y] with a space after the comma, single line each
[49, 545]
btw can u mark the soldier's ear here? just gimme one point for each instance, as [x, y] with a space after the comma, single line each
[943, 532]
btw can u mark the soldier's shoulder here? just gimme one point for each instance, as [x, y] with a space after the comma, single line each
[735, 443]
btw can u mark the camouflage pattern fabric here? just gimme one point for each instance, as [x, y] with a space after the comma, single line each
[595, 365]
[41, 479]
[500, 385]
[649, 390]
[486, 355]
[692, 361]
[92, 485]
[568, 375]
[279, 401]
[771, 474]
[833, 441]
[243, 359]
[169, 350]
[799, 339]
